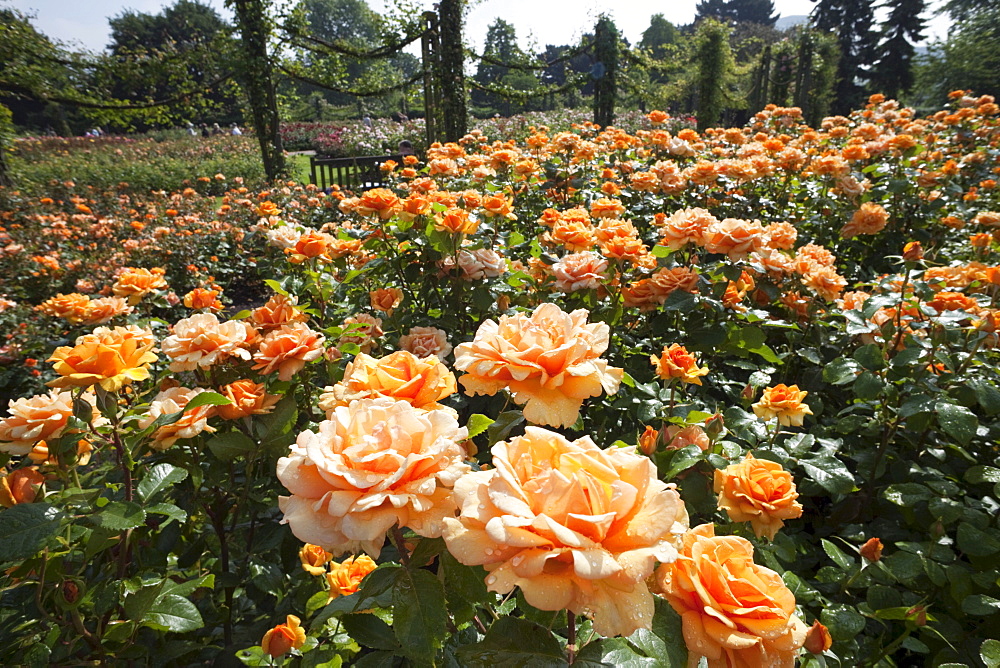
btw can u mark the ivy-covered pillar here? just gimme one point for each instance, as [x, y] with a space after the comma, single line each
[605, 71]
[258, 80]
[714, 61]
[452, 72]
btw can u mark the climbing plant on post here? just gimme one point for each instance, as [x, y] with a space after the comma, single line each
[452, 73]
[714, 62]
[605, 71]
[258, 78]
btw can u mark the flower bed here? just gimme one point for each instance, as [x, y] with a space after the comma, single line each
[596, 396]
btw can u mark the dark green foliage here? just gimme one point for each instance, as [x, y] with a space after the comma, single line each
[715, 63]
[893, 74]
[851, 21]
[605, 70]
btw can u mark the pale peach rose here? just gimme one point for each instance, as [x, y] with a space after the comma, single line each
[686, 226]
[374, 464]
[136, 283]
[606, 208]
[477, 264]
[104, 309]
[549, 362]
[734, 238]
[665, 281]
[781, 235]
[675, 362]
[580, 271]
[42, 417]
[279, 310]
[247, 398]
[399, 375]
[733, 612]
[201, 341]
[173, 400]
[676, 437]
[110, 358]
[758, 491]
[426, 341]
[572, 234]
[574, 526]
[345, 578]
[287, 349]
[783, 402]
[363, 330]
[284, 236]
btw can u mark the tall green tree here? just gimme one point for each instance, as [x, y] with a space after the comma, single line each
[760, 12]
[499, 48]
[714, 63]
[713, 9]
[851, 21]
[659, 36]
[893, 72]
[968, 59]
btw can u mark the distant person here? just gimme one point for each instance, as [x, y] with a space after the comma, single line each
[191, 130]
[367, 121]
[403, 117]
[405, 147]
[236, 132]
[204, 131]
[216, 130]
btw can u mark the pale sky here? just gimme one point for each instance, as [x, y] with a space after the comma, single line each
[538, 22]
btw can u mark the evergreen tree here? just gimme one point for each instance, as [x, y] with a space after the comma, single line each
[500, 47]
[713, 9]
[968, 59]
[753, 11]
[659, 36]
[893, 73]
[851, 21]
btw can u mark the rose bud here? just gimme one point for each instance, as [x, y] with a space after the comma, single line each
[872, 550]
[818, 639]
[913, 251]
[648, 441]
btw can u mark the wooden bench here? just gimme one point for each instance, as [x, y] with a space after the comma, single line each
[357, 174]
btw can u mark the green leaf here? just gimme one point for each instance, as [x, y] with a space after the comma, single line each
[661, 251]
[987, 395]
[868, 386]
[26, 528]
[322, 658]
[980, 605]
[274, 428]
[614, 652]
[975, 542]
[837, 555]
[174, 613]
[840, 371]
[843, 622]
[120, 515]
[907, 494]
[158, 478]
[169, 510]
[981, 474]
[370, 631]
[989, 651]
[188, 588]
[829, 473]
[870, 357]
[478, 424]
[504, 424]
[276, 286]
[230, 445]
[254, 656]
[419, 615]
[956, 421]
[665, 640]
[207, 399]
[513, 643]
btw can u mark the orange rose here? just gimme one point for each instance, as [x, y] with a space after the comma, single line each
[549, 362]
[676, 362]
[656, 116]
[783, 402]
[606, 208]
[310, 245]
[111, 358]
[574, 526]
[869, 219]
[20, 486]
[247, 397]
[818, 639]
[380, 201]
[872, 550]
[345, 578]
[374, 464]
[104, 309]
[400, 375]
[735, 238]
[455, 221]
[733, 612]
[314, 559]
[279, 310]
[758, 491]
[287, 349]
[283, 638]
[71, 307]
[201, 298]
[136, 283]
[498, 205]
[386, 299]
[686, 226]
